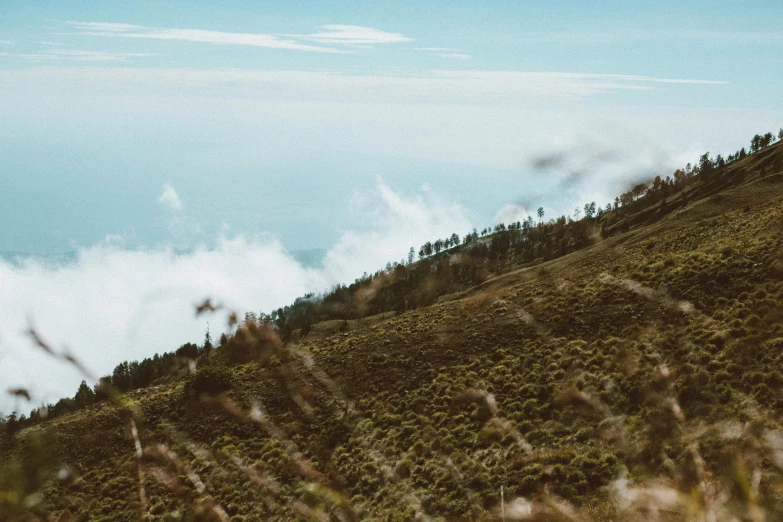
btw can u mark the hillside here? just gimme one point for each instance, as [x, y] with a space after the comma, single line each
[637, 378]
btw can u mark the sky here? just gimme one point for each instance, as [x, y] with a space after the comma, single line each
[179, 150]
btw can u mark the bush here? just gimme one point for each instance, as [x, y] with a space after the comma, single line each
[210, 380]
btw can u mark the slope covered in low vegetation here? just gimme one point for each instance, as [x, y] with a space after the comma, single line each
[636, 377]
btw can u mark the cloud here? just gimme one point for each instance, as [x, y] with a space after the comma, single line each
[170, 199]
[353, 34]
[7, 42]
[500, 88]
[446, 52]
[476, 118]
[114, 303]
[571, 82]
[76, 55]
[437, 49]
[104, 27]
[595, 169]
[195, 35]
[396, 223]
[455, 56]
[511, 214]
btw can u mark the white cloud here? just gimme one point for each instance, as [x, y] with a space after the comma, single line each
[354, 34]
[114, 304]
[195, 35]
[7, 42]
[438, 49]
[95, 56]
[576, 83]
[104, 27]
[455, 56]
[446, 52]
[499, 88]
[76, 56]
[479, 118]
[396, 224]
[511, 214]
[170, 199]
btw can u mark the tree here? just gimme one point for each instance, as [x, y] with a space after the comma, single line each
[590, 210]
[410, 256]
[11, 424]
[207, 340]
[540, 214]
[638, 191]
[120, 377]
[706, 166]
[576, 213]
[455, 239]
[84, 396]
[103, 388]
[755, 143]
[189, 350]
[780, 134]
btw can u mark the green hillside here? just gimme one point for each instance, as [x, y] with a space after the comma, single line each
[629, 369]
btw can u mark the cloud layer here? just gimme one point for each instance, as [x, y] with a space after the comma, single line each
[113, 303]
[497, 88]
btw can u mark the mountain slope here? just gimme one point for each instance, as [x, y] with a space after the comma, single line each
[633, 379]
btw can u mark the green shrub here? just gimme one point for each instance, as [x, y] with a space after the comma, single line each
[210, 380]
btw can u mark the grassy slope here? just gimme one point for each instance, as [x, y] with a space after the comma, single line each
[552, 380]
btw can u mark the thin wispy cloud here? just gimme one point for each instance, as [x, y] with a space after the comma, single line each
[104, 27]
[442, 86]
[455, 56]
[445, 52]
[353, 34]
[95, 56]
[7, 42]
[636, 34]
[76, 56]
[118, 30]
[595, 81]
[437, 49]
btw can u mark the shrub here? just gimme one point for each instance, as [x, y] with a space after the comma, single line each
[209, 380]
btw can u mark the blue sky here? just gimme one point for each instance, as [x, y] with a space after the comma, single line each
[198, 143]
